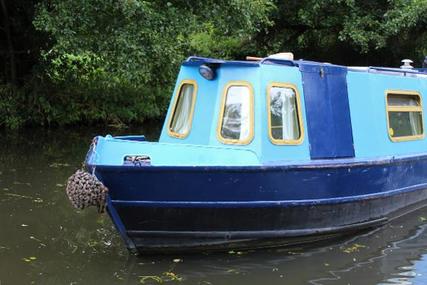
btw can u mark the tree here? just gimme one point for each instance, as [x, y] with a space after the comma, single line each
[348, 31]
[116, 61]
[19, 42]
[10, 49]
[106, 46]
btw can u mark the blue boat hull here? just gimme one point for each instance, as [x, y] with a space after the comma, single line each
[191, 208]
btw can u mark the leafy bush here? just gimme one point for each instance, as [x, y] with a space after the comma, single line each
[116, 61]
[10, 103]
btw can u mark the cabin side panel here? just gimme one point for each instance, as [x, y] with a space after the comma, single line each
[367, 98]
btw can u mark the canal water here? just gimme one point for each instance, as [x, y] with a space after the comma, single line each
[43, 240]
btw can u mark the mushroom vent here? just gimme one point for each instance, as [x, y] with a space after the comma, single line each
[407, 64]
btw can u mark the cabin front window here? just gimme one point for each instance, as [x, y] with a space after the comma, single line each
[405, 116]
[182, 111]
[284, 118]
[236, 120]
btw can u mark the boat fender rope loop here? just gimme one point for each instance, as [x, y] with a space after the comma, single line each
[84, 190]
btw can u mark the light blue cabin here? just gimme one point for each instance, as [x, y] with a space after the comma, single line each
[334, 112]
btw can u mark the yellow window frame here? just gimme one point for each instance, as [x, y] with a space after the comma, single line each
[173, 110]
[251, 114]
[299, 114]
[404, 109]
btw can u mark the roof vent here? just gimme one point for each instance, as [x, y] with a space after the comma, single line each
[407, 64]
[282, 55]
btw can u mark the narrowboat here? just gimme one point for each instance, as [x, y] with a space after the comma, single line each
[269, 152]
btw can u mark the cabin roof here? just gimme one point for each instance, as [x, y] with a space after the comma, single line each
[303, 64]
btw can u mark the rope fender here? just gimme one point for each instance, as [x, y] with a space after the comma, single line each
[84, 190]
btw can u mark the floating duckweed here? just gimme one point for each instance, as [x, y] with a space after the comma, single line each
[29, 259]
[18, 196]
[144, 279]
[235, 271]
[58, 165]
[354, 248]
[172, 276]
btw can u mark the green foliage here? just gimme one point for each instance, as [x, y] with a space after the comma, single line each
[372, 25]
[10, 102]
[115, 61]
[140, 42]
[347, 31]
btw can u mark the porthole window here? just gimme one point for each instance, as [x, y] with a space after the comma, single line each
[182, 110]
[284, 115]
[236, 117]
[404, 116]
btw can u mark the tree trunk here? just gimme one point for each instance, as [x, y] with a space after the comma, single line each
[11, 52]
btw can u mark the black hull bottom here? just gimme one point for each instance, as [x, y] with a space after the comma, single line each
[172, 242]
[187, 229]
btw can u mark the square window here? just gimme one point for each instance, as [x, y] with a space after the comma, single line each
[405, 116]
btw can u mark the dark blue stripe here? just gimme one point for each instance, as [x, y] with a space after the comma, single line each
[262, 204]
[255, 184]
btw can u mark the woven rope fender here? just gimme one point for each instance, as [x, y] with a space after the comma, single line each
[84, 190]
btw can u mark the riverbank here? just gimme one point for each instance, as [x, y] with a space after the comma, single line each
[47, 105]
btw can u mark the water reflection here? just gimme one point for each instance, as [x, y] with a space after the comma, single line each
[44, 241]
